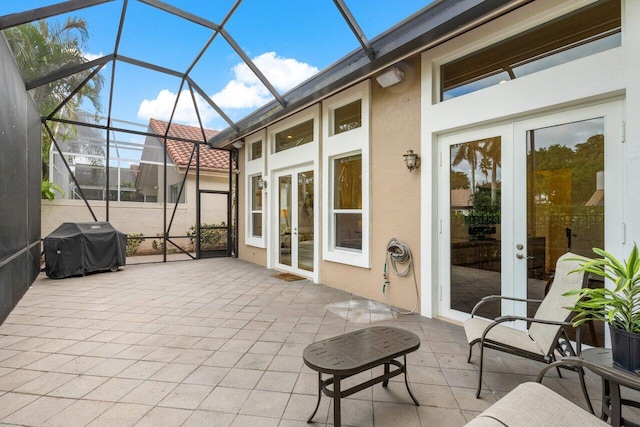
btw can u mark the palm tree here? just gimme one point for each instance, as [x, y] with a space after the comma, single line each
[469, 151]
[492, 150]
[41, 48]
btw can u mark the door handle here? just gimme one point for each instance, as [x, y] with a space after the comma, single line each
[520, 255]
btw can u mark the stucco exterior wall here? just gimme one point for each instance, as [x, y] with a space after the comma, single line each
[395, 192]
[395, 118]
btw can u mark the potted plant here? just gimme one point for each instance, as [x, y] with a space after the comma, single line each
[619, 307]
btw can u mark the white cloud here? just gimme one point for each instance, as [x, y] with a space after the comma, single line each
[246, 90]
[161, 107]
[91, 56]
[243, 92]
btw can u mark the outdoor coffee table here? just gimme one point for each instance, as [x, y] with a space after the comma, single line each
[355, 352]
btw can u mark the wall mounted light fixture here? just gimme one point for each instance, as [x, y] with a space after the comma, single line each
[412, 160]
[390, 77]
[262, 184]
[238, 144]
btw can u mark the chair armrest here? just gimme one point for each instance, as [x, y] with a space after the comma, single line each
[574, 361]
[503, 319]
[532, 319]
[499, 297]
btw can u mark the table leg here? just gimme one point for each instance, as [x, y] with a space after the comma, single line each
[386, 373]
[406, 382]
[336, 401]
[319, 396]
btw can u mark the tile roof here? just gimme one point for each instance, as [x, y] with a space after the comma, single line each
[180, 151]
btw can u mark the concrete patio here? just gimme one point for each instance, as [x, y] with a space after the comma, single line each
[219, 342]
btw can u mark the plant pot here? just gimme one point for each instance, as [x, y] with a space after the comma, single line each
[625, 347]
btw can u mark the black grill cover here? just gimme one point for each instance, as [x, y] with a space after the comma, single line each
[77, 248]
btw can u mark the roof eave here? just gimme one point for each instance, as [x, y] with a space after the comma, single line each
[432, 25]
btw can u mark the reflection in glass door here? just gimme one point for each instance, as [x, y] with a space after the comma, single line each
[475, 224]
[514, 198]
[565, 199]
[296, 220]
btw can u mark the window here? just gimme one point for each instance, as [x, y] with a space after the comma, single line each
[347, 202]
[254, 164]
[256, 207]
[347, 117]
[585, 32]
[345, 151]
[294, 136]
[255, 150]
[174, 192]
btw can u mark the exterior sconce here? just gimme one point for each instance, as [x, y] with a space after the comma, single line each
[262, 184]
[412, 160]
[238, 144]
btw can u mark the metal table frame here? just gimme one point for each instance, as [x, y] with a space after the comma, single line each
[346, 355]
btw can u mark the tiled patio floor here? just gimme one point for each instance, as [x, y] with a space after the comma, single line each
[219, 342]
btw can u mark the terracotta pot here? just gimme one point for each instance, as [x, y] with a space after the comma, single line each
[625, 347]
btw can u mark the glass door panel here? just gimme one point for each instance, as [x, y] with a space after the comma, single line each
[284, 219]
[296, 221]
[305, 229]
[565, 198]
[475, 224]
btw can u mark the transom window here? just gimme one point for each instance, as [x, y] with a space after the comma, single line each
[255, 150]
[295, 136]
[585, 32]
[347, 117]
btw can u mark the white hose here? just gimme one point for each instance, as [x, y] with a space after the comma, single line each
[399, 253]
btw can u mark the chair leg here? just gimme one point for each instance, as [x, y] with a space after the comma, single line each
[584, 390]
[480, 373]
[470, 352]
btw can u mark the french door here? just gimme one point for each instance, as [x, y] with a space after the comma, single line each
[294, 220]
[515, 197]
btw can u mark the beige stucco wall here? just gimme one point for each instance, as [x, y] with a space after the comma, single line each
[395, 195]
[395, 192]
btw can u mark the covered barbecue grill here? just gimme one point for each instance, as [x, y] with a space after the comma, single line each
[78, 248]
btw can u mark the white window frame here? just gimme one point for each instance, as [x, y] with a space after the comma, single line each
[253, 168]
[345, 144]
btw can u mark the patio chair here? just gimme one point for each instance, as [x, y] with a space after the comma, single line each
[545, 329]
[532, 405]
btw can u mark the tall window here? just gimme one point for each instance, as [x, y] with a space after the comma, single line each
[256, 207]
[345, 151]
[254, 234]
[347, 202]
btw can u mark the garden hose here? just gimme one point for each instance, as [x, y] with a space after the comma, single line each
[399, 253]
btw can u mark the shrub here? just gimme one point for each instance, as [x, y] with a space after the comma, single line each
[133, 243]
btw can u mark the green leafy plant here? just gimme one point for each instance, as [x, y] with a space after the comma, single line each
[619, 307]
[211, 235]
[133, 243]
[49, 190]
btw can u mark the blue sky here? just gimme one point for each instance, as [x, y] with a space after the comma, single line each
[289, 40]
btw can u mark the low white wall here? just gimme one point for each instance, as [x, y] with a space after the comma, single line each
[127, 217]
